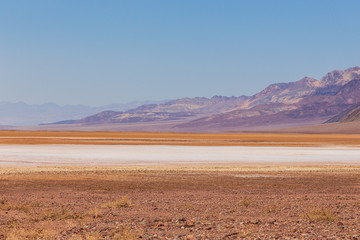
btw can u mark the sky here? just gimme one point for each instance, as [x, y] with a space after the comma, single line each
[101, 52]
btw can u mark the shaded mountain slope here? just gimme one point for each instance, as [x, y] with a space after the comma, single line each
[351, 114]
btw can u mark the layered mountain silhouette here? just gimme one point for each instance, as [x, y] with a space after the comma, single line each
[184, 108]
[304, 102]
[20, 114]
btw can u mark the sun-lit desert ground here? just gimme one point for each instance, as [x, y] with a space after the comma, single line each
[307, 202]
[104, 185]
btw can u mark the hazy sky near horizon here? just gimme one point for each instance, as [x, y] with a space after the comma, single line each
[100, 52]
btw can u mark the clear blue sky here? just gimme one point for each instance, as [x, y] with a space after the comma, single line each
[100, 52]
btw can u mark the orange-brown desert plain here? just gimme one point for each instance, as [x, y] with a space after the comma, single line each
[204, 201]
[190, 139]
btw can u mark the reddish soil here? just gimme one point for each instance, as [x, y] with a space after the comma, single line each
[187, 203]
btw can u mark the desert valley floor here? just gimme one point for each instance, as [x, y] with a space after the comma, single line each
[103, 185]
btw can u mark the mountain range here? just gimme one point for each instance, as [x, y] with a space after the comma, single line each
[305, 102]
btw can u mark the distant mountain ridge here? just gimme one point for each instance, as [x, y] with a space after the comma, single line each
[172, 110]
[299, 103]
[311, 108]
[20, 114]
[305, 102]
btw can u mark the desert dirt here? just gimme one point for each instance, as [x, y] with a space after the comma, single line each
[203, 201]
[264, 202]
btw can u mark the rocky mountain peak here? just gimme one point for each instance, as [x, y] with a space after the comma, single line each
[305, 82]
[287, 93]
[338, 77]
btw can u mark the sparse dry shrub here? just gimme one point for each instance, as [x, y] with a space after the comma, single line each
[320, 214]
[22, 207]
[271, 208]
[21, 233]
[93, 236]
[77, 237]
[246, 202]
[95, 213]
[244, 233]
[71, 223]
[124, 202]
[53, 214]
[6, 205]
[305, 198]
[36, 204]
[188, 207]
[47, 233]
[125, 233]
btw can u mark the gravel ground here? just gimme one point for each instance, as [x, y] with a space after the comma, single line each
[306, 202]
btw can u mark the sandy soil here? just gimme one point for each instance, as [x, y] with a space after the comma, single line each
[312, 202]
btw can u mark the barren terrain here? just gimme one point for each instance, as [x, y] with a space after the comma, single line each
[308, 202]
[208, 186]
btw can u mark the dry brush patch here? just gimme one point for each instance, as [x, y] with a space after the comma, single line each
[124, 202]
[246, 202]
[320, 214]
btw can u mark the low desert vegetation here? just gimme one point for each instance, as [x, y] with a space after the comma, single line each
[124, 202]
[271, 208]
[125, 233]
[21, 233]
[95, 212]
[246, 202]
[56, 214]
[8, 206]
[320, 214]
[93, 236]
